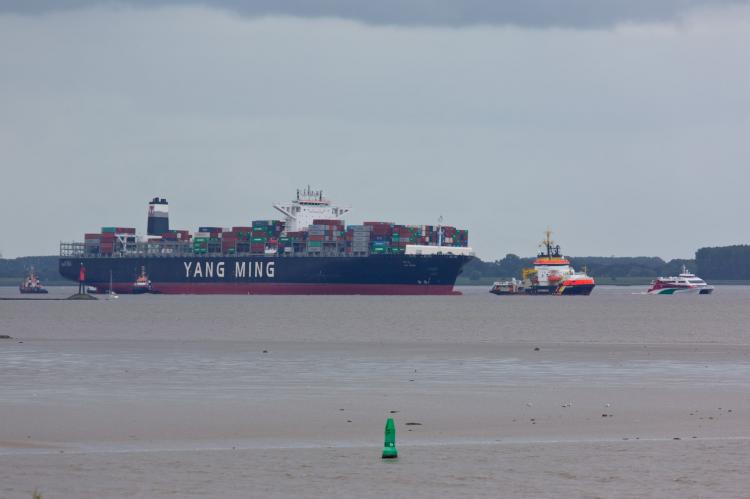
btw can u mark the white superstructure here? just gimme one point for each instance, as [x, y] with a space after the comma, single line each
[421, 249]
[686, 282]
[309, 205]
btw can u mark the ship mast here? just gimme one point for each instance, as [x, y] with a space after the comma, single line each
[548, 245]
[547, 242]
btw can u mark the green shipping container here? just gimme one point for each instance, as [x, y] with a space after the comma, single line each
[108, 230]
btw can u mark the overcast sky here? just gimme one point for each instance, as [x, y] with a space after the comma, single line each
[622, 125]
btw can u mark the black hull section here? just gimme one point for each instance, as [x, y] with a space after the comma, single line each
[258, 274]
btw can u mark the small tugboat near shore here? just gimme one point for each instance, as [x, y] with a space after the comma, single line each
[31, 284]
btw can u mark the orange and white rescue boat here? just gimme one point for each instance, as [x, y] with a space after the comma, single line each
[552, 274]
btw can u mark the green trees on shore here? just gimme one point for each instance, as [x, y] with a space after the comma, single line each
[726, 262]
[598, 266]
[44, 266]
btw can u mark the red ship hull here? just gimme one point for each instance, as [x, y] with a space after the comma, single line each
[216, 288]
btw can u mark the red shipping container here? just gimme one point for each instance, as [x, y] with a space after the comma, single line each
[124, 230]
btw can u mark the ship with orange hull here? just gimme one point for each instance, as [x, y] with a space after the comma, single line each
[552, 275]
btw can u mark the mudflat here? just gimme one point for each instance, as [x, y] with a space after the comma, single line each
[255, 396]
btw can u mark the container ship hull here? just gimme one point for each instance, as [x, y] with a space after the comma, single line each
[388, 274]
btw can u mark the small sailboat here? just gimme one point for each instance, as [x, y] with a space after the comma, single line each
[111, 294]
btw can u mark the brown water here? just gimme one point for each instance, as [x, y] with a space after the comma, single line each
[178, 396]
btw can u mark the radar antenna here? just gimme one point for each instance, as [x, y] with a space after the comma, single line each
[549, 245]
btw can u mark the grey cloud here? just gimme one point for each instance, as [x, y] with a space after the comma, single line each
[585, 14]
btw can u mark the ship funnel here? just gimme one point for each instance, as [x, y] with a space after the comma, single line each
[158, 217]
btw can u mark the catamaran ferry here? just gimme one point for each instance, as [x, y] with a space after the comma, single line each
[685, 283]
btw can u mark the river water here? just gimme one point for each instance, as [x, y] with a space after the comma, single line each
[167, 385]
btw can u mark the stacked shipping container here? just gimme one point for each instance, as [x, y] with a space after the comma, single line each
[324, 236]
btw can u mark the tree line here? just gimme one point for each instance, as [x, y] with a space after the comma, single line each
[726, 262]
[598, 266]
[46, 267]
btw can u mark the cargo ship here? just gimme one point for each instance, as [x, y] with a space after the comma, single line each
[552, 275]
[310, 251]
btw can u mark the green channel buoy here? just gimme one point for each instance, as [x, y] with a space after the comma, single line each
[389, 448]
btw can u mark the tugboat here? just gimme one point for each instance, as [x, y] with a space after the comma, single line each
[685, 283]
[551, 275]
[31, 284]
[142, 284]
[512, 287]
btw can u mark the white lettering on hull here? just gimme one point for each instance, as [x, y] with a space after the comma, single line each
[242, 270]
[239, 269]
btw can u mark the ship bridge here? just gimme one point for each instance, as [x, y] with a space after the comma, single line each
[308, 206]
